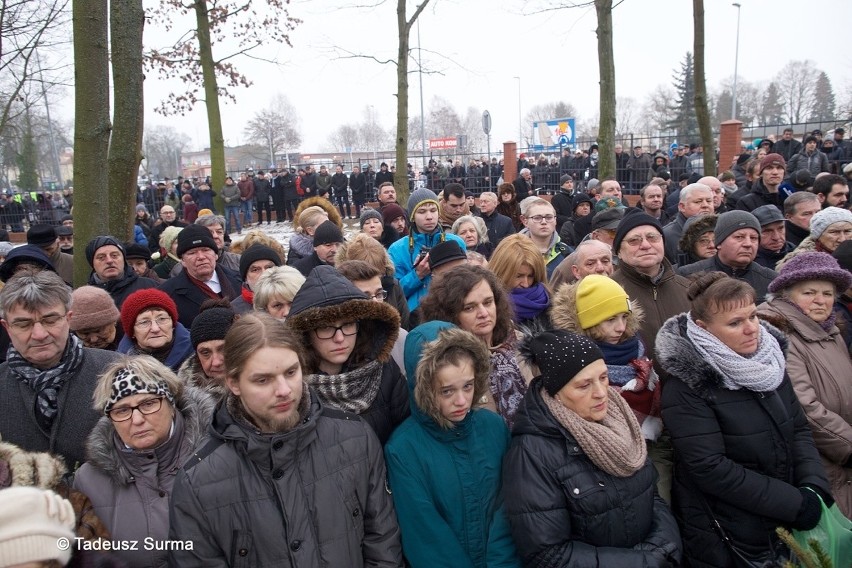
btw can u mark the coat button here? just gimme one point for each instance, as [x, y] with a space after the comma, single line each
[295, 545]
[576, 491]
[277, 474]
[277, 445]
[576, 449]
[162, 493]
[243, 552]
[356, 512]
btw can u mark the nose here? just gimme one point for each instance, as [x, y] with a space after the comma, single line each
[482, 312]
[599, 390]
[338, 336]
[459, 399]
[218, 360]
[39, 331]
[620, 326]
[282, 388]
[136, 416]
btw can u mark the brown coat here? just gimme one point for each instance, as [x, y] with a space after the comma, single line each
[819, 367]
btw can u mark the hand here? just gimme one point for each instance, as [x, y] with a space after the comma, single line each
[423, 269]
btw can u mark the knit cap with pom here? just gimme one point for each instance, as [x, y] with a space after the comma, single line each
[598, 299]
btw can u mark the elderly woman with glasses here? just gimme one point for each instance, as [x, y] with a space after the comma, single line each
[151, 424]
[151, 327]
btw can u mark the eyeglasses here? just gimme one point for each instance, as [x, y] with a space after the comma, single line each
[379, 296]
[124, 413]
[47, 322]
[347, 329]
[705, 241]
[161, 321]
[652, 238]
[540, 218]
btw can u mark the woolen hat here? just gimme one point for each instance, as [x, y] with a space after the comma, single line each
[580, 198]
[608, 203]
[5, 248]
[254, 253]
[143, 300]
[772, 159]
[632, 219]
[32, 521]
[41, 235]
[370, 213]
[169, 236]
[802, 179]
[559, 356]
[418, 198]
[63, 231]
[564, 178]
[98, 242]
[843, 255]
[445, 252]
[195, 236]
[811, 266]
[598, 299]
[327, 232]
[135, 250]
[828, 216]
[92, 307]
[731, 221]
[767, 214]
[608, 219]
[391, 212]
[25, 254]
[211, 324]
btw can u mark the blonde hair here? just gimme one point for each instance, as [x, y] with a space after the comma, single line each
[281, 281]
[149, 370]
[257, 236]
[511, 254]
[366, 248]
[310, 218]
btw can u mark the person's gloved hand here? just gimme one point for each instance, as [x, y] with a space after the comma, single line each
[809, 512]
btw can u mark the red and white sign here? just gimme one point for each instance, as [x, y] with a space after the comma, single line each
[443, 143]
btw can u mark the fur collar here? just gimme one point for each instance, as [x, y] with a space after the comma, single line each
[191, 374]
[195, 405]
[32, 469]
[563, 312]
[677, 356]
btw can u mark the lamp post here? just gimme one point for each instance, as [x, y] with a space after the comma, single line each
[736, 62]
[520, 120]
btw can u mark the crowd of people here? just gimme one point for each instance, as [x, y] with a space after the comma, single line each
[495, 379]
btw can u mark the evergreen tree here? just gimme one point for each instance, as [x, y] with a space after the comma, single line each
[773, 108]
[724, 107]
[684, 121]
[825, 104]
[27, 157]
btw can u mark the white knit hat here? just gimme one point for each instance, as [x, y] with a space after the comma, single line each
[828, 216]
[33, 524]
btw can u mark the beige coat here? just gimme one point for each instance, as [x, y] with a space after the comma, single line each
[819, 367]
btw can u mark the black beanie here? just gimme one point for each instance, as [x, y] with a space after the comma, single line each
[99, 242]
[559, 356]
[632, 219]
[328, 232]
[254, 253]
[195, 236]
[211, 324]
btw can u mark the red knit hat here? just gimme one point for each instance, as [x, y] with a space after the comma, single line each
[142, 300]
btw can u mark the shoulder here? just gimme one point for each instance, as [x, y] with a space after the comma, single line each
[98, 357]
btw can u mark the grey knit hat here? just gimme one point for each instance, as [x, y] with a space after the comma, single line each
[370, 213]
[732, 221]
[828, 216]
[418, 198]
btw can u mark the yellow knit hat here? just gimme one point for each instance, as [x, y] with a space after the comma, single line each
[598, 299]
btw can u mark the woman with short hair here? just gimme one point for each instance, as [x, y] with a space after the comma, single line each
[151, 327]
[519, 265]
[474, 233]
[275, 290]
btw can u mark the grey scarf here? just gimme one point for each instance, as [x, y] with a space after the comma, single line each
[353, 391]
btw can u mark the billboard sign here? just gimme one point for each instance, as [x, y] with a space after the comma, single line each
[443, 143]
[550, 135]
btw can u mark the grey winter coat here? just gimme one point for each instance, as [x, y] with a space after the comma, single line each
[315, 495]
[130, 489]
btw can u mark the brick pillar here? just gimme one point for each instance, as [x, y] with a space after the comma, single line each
[510, 161]
[730, 136]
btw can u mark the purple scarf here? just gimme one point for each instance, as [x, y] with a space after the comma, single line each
[529, 302]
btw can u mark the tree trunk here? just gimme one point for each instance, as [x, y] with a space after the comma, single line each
[127, 20]
[702, 111]
[91, 126]
[400, 178]
[606, 63]
[211, 100]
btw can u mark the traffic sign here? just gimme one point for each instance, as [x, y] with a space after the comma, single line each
[486, 122]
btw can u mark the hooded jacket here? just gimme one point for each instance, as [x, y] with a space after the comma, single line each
[130, 489]
[327, 297]
[565, 511]
[819, 366]
[191, 373]
[314, 495]
[446, 482]
[747, 471]
[759, 196]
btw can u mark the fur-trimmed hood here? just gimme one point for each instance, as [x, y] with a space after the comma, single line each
[328, 206]
[195, 406]
[693, 231]
[808, 244]
[30, 469]
[563, 312]
[191, 374]
[678, 357]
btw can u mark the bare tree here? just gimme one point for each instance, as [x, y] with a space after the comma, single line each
[276, 128]
[606, 64]
[162, 146]
[627, 116]
[655, 109]
[702, 110]
[796, 83]
[346, 136]
[371, 134]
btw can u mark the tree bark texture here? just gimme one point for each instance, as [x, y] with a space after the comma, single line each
[91, 126]
[400, 178]
[606, 63]
[127, 20]
[702, 110]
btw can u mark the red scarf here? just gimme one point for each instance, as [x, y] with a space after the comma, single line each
[248, 296]
[204, 287]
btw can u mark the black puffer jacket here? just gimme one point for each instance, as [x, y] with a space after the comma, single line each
[565, 511]
[745, 452]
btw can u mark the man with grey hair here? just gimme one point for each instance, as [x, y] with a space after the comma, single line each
[695, 199]
[499, 226]
[216, 225]
[523, 185]
[47, 381]
[590, 257]
[798, 210]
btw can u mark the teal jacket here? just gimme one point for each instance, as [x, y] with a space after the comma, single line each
[446, 484]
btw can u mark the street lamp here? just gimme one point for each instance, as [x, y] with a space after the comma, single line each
[736, 62]
[520, 120]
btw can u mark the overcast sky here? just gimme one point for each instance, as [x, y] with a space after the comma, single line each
[480, 45]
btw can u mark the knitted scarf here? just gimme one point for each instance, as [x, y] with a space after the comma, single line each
[763, 371]
[247, 294]
[615, 444]
[529, 302]
[47, 382]
[353, 391]
[507, 385]
[618, 356]
[827, 325]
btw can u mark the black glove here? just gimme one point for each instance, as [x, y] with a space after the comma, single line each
[810, 511]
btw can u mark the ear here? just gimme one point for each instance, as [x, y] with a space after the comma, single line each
[701, 324]
[233, 385]
[821, 197]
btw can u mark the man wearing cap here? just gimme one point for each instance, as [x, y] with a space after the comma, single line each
[327, 239]
[737, 236]
[563, 201]
[254, 261]
[110, 269]
[499, 226]
[66, 239]
[695, 199]
[773, 236]
[168, 218]
[832, 191]
[410, 254]
[205, 368]
[764, 190]
[605, 224]
[201, 278]
[539, 220]
[453, 204]
[44, 237]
